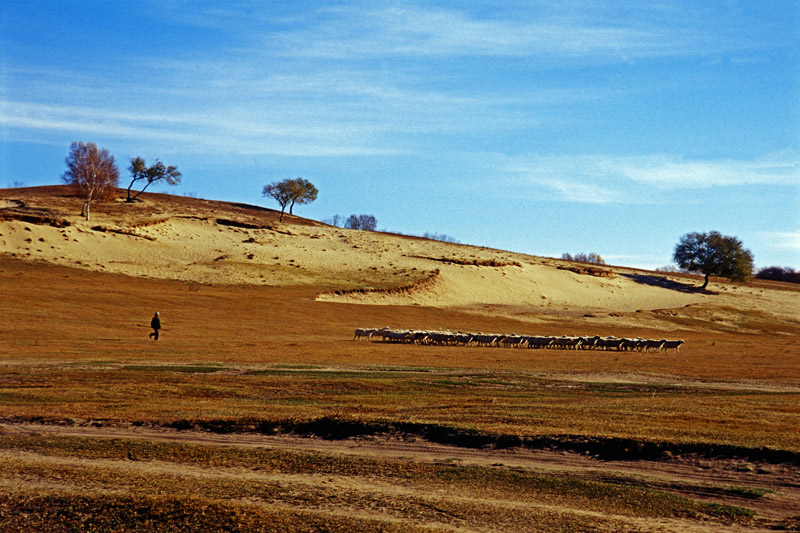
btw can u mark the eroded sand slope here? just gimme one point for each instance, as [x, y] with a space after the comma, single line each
[215, 242]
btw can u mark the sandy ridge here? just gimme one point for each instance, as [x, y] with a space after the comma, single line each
[207, 242]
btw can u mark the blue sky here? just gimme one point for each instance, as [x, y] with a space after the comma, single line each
[541, 127]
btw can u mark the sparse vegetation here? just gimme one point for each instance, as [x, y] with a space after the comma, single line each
[335, 220]
[440, 237]
[85, 483]
[584, 258]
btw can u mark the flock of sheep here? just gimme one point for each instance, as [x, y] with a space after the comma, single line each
[449, 338]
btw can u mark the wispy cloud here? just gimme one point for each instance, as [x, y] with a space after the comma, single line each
[601, 178]
[549, 31]
[783, 240]
[230, 134]
[669, 172]
[584, 193]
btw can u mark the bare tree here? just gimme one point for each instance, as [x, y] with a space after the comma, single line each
[157, 172]
[336, 221]
[442, 237]
[92, 172]
[362, 222]
[290, 192]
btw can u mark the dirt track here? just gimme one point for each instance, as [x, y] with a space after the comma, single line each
[713, 480]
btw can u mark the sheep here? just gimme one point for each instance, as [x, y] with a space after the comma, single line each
[363, 333]
[566, 342]
[653, 345]
[464, 339]
[442, 337]
[610, 343]
[513, 341]
[378, 333]
[588, 343]
[632, 344]
[403, 336]
[487, 340]
[421, 337]
[673, 345]
[539, 342]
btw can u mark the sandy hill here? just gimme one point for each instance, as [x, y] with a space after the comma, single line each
[194, 240]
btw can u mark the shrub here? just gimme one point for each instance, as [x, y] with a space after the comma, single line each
[775, 273]
[584, 258]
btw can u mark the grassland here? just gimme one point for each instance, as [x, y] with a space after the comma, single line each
[257, 412]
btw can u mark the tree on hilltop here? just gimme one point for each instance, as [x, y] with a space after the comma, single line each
[156, 172]
[362, 222]
[92, 172]
[290, 192]
[713, 254]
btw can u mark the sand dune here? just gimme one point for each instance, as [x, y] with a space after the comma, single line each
[199, 241]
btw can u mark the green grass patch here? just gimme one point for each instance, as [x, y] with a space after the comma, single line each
[199, 368]
[298, 367]
[728, 511]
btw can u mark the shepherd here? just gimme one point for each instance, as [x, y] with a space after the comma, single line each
[156, 325]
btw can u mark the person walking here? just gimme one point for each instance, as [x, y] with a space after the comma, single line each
[156, 325]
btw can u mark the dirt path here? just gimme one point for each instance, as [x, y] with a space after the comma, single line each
[772, 490]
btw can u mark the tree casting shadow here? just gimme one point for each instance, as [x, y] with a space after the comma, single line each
[664, 283]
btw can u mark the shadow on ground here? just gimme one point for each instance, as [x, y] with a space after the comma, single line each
[664, 283]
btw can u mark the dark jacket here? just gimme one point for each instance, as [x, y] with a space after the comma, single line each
[155, 323]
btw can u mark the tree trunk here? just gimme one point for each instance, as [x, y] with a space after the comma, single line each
[140, 192]
[705, 284]
[281, 217]
[85, 210]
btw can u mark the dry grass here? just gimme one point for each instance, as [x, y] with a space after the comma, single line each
[504, 403]
[74, 349]
[132, 485]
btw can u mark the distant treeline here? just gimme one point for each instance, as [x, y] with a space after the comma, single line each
[584, 258]
[775, 273]
[370, 223]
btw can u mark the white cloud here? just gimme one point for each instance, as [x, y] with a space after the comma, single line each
[783, 240]
[231, 133]
[600, 178]
[667, 172]
[585, 193]
[540, 30]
